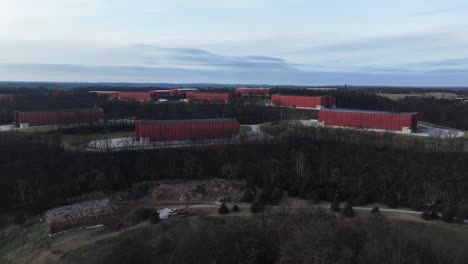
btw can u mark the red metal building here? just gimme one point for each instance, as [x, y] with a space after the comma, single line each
[108, 94]
[254, 92]
[405, 122]
[58, 117]
[133, 96]
[182, 91]
[316, 102]
[211, 97]
[158, 94]
[188, 129]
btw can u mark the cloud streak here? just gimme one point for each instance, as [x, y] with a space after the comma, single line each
[190, 57]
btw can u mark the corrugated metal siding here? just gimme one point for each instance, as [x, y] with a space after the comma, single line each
[386, 121]
[182, 91]
[303, 101]
[210, 97]
[132, 96]
[175, 131]
[61, 117]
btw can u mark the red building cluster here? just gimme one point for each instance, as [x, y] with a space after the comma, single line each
[265, 92]
[316, 102]
[405, 122]
[58, 117]
[210, 97]
[190, 129]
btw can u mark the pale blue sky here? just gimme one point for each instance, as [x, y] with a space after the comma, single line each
[258, 41]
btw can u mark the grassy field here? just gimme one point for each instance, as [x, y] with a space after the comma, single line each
[31, 244]
[437, 95]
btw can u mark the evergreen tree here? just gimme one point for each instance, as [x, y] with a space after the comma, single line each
[235, 208]
[223, 209]
[348, 210]
[154, 218]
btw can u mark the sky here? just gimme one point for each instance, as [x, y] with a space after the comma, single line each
[297, 42]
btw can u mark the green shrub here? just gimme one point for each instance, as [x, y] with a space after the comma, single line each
[375, 210]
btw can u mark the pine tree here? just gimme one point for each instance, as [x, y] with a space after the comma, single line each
[348, 210]
[223, 209]
[154, 218]
[235, 208]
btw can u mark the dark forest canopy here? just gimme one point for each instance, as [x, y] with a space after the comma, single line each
[37, 173]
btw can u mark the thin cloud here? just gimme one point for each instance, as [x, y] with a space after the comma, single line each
[198, 57]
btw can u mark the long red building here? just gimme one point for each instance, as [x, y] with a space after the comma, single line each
[397, 121]
[253, 91]
[182, 91]
[316, 102]
[185, 129]
[210, 97]
[133, 96]
[58, 117]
